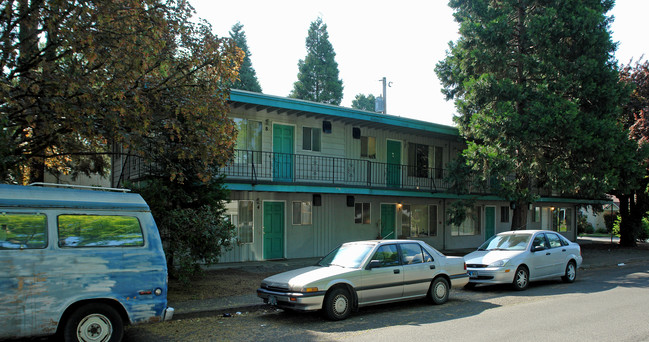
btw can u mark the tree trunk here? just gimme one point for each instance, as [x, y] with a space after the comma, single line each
[628, 223]
[519, 218]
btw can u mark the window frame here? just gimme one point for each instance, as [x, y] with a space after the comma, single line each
[474, 215]
[241, 223]
[504, 214]
[251, 141]
[314, 139]
[306, 210]
[365, 211]
[369, 142]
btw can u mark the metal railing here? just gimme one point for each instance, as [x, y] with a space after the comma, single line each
[259, 167]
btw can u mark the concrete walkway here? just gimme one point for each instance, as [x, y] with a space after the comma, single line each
[597, 253]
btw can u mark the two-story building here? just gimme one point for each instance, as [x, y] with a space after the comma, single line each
[308, 176]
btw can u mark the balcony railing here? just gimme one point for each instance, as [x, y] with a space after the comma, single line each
[258, 167]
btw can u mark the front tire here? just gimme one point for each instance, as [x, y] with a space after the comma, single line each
[571, 272]
[438, 291]
[521, 279]
[94, 322]
[337, 304]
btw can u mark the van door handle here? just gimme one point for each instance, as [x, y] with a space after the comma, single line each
[548, 253]
[396, 271]
[432, 267]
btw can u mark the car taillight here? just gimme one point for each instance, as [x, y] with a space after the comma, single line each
[465, 266]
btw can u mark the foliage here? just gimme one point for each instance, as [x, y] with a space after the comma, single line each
[633, 196]
[190, 217]
[609, 220]
[583, 226]
[79, 76]
[363, 102]
[317, 78]
[537, 94]
[247, 75]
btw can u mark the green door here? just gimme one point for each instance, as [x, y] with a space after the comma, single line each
[388, 221]
[393, 160]
[490, 221]
[273, 230]
[282, 153]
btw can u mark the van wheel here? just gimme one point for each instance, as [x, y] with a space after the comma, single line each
[94, 322]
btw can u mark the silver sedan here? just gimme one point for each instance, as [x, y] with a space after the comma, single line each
[521, 256]
[362, 273]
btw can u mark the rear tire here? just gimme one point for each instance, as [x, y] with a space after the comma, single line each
[521, 278]
[438, 291]
[571, 272]
[337, 304]
[94, 322]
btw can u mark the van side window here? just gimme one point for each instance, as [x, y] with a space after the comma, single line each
[99, 231]
[23, 230]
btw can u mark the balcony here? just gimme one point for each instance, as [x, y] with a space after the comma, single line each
[258, 167]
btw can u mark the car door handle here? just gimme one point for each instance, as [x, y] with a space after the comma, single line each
[563, 250]
[396, 271]
[432, 267]
[548, 253]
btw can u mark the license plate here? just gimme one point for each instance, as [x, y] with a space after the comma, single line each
[272, 300]
[473, 274]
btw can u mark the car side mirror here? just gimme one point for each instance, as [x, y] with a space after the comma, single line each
[537, 248]
[373, 264]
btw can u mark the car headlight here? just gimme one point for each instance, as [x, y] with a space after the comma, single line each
[499, 263]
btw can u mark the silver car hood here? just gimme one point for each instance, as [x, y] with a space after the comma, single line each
[300, 277]
[487, 257]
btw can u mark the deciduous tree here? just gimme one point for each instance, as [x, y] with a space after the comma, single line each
[364, 102]
[317, 78]
[632, 191]
[80, 75]
[537, 93]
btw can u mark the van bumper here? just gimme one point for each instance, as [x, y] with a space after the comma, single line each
[169, 314]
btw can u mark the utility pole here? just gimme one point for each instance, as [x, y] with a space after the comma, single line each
[385, 101]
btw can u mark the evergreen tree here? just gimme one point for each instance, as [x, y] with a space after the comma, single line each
[537, 92]
[364, 102]
[247, 75]
[317, 79]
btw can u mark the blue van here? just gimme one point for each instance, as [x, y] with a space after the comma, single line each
[78, 263]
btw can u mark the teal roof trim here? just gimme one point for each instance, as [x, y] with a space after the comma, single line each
[389, 192]
[337, 111]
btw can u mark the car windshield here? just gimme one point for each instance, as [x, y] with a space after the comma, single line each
[351, 255]
[509, 242]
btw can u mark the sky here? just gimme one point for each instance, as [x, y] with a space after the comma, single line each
[399, 40]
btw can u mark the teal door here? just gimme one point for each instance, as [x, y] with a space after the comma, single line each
[393, 160]
[490, 222]
[282, 153]
[388, 221]
[273, 230]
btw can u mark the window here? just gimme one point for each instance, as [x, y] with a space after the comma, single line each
[417, 160]
[99, 231]
[362, 213]
[554, 240]
[439, 163]
[412, 253]
[387, 255]
[504, 214]
[248, 141]
[419, 220]
[301, 213]
[561, 219]
[471, 225]
[310, 139]
[539, 241]
[22, 230]
[368, 147]
[537, 214]
[246, 226]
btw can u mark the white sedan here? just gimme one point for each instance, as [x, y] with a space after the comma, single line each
[362, 273]
[521, 256]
